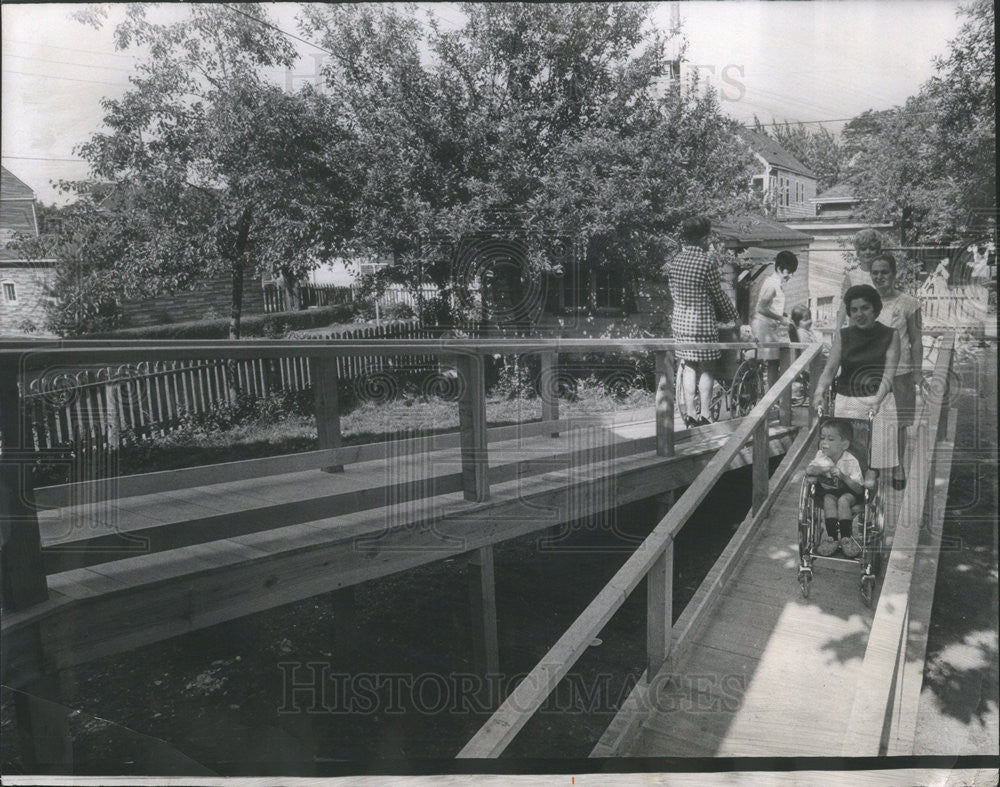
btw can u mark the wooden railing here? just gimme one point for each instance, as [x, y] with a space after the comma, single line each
[24, 577]
[874, 725]
[653, 560]
[101, 406]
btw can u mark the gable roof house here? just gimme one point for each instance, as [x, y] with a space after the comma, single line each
[24, 284]
[786, 182]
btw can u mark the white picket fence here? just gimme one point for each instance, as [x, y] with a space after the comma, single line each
[102, 406]
[962, 306]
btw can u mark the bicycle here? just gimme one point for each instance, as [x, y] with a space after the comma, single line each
[739, 393]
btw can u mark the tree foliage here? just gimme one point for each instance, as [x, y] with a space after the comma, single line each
[931, 164]
[548, 122]
[216, 171]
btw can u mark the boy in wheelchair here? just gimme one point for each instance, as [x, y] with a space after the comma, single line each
[839, 485]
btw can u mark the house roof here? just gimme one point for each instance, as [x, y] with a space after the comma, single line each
[775, 155]
[755, 230]
[842, 192]
[12, 187]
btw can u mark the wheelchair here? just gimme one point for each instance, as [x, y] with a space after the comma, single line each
[868, 518]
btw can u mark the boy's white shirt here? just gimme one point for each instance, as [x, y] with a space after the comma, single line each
[847, 464]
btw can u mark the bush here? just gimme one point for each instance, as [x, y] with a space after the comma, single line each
[251, 326]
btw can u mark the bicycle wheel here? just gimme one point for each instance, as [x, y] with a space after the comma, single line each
[745, 391]
[718, 395]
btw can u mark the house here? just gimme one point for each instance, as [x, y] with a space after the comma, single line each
[832, 227]
[24, 284]
[786, 183]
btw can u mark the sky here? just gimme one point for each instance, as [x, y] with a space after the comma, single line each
[798, 61]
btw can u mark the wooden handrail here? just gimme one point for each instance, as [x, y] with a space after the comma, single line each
[497, 733]
[31, 355]
[871, 719]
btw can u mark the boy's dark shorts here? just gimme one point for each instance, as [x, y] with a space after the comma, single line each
[837, 491]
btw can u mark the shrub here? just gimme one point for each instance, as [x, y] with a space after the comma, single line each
[251, 326]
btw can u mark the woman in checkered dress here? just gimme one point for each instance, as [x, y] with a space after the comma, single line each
[696, 290]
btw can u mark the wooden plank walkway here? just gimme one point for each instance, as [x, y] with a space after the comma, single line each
[215, 553]
[771, 673]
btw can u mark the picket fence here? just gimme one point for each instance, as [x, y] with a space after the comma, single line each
[101, 407]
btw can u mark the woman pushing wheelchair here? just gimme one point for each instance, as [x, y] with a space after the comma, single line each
[866, 354]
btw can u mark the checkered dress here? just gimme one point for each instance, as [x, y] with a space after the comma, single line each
[696, 289]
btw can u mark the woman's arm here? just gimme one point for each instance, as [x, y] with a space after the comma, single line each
[914, 329]
[891, 362]
[829, 371]
[722, 302]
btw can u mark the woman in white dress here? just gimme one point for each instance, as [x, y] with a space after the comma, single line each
[902, 312]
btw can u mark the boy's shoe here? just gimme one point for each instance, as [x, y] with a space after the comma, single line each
[827, 546]
[850, 547]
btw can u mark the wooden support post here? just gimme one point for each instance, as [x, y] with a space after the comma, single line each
[665, 403]
[345, 624]
[22, 571]
[785, 358]
[43, 727]
[472, 428]
[323, 372]
[816, 367]
[483, 608]
[659, 610]
[760, 469]
[547, 385]
[664, 502]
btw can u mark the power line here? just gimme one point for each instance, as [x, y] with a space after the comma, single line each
[67, 79]
[68, 48]
[69, 63]
[42, 158]
[265, 23]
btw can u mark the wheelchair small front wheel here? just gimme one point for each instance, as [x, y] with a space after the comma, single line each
[868, 589]
[805, 580]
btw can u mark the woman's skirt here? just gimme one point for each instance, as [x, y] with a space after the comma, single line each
[884, 447]
[768, 330]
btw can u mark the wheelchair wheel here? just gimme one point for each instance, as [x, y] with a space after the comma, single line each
[805, 580]
[748, 386]
[718, 394]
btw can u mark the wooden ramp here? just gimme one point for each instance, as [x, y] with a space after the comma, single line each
[771, 673]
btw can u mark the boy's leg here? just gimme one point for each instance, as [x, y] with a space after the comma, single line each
[828, 544]
[848, 544]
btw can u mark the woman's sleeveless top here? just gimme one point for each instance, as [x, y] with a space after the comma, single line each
[862, 359]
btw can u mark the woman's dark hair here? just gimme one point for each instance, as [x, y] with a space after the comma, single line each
[888, 258]
[786, 261]
[865, 292]
[695, 228]
[798, 314]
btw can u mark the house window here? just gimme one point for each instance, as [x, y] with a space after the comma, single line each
[609, 287]
[576, 288]
[9, 292]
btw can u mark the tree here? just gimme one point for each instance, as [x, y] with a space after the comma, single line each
[931, 164]
[546, 123]
[215, 171]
